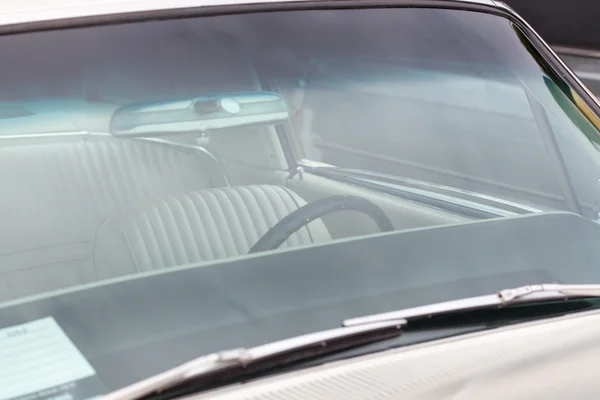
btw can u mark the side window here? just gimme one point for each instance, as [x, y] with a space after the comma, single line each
[449, 128]
[442, 97]
[579, 143]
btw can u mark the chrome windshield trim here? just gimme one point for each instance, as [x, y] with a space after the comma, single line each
[19, 12]
[523, 294]
[500, 5]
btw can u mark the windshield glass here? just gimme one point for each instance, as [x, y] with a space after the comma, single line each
[177, 187]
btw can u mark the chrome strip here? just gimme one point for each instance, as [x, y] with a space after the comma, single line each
[18, 12]
[451, 199]
[512, 12]
[433, 186]
[476, 195]
[52, 134]
[429, 168]
[201, 149]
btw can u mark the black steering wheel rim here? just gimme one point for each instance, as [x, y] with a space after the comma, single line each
[304, 215]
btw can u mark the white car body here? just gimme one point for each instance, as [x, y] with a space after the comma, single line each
[554, 359]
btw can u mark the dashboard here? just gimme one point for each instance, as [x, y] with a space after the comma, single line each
[131, 328]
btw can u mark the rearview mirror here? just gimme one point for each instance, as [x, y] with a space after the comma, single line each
[200, 114]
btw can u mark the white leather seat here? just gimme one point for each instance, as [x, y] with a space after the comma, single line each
[57, 191]
[196, 226]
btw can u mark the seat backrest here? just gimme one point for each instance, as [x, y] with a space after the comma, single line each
[56, 191]
[196, 226]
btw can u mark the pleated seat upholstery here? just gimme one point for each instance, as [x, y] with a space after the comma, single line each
[57, 191]
[196, 226]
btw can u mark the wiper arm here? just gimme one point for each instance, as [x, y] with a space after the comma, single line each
[230, 365]
[279, 353]
[519, 295]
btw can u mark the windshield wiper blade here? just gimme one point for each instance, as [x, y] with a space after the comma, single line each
[280, 353]
[230, 365]
[520, 295]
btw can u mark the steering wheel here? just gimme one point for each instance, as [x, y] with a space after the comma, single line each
[282, 230]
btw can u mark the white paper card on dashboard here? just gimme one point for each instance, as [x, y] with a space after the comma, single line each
[38, 355]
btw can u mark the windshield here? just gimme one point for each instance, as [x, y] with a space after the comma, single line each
[173, 188]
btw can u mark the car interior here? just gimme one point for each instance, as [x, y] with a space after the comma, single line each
[89, 207]
[83, 205]
[150, 226]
